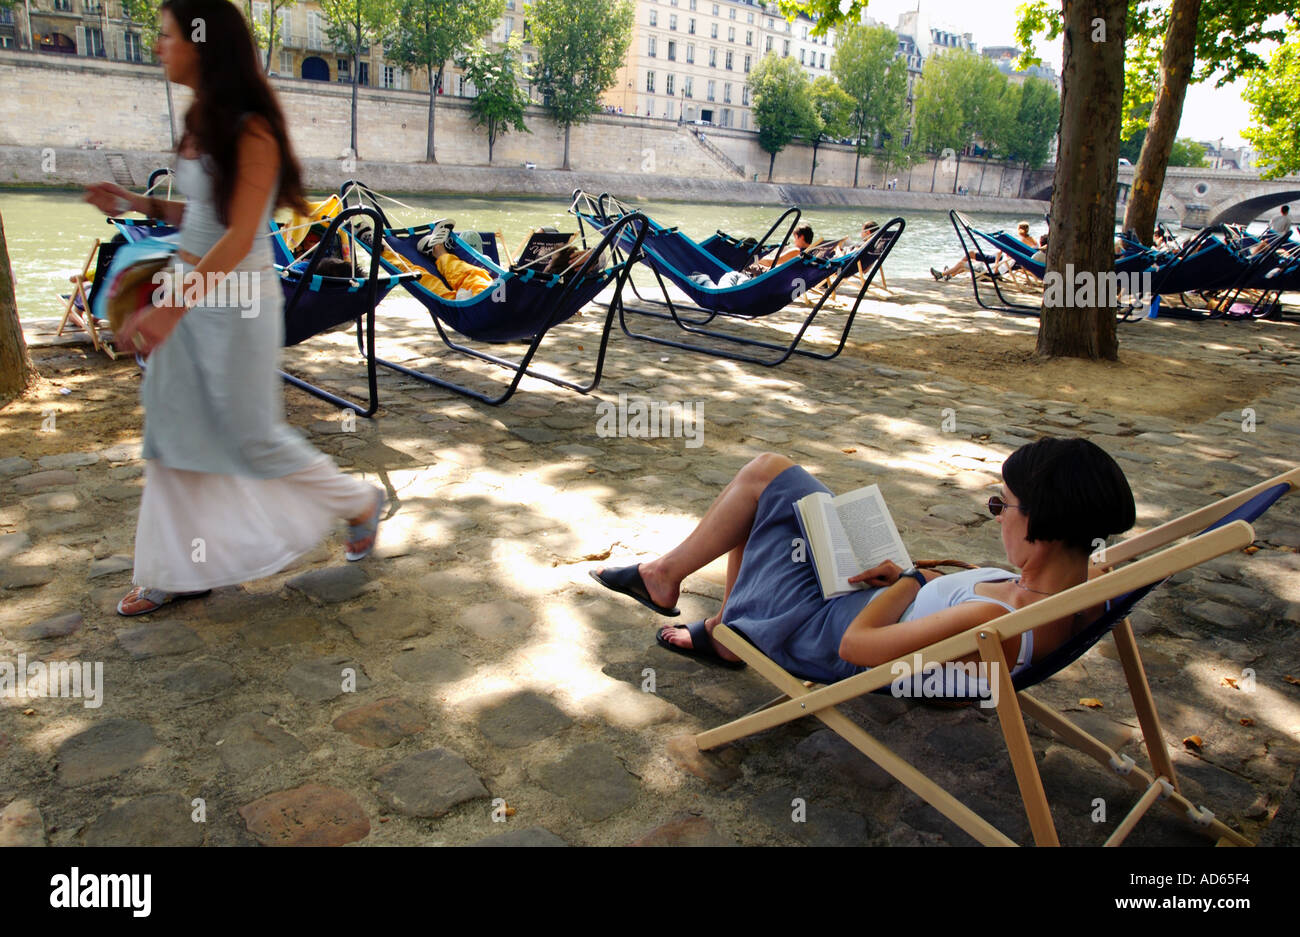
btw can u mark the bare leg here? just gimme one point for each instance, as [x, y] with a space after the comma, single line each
[724, 527]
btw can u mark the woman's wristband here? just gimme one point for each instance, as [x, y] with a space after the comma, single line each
[914, 573]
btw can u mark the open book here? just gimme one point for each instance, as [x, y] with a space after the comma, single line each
[847, 535]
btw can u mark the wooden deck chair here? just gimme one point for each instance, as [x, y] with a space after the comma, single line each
[1125, 584]
[76, 309]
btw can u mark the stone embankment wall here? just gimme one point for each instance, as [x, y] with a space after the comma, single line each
[62, 103]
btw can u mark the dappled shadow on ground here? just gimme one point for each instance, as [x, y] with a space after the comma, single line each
[478, 613]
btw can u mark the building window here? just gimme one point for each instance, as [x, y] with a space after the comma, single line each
[691, 5]
[668, 84]
[726, 93]
[654, 17]
[749, 18]
[510, 26]
[390, 77]
[134, 47]
[64, 5]
[93, 6]
[785, 50]
[652, 47]
[749, 37]
[767, 45]
[95, 41]
[744, 121]
[731, 33]
[672, 20]
[315, 30]
[801, 56]
[713, 31]
[688, 87]
[715, 9]
[709, 91]
[650, 82]
[690, 53]
[744, 95]
[286, 62]
[823, 65]
[732, 13]
[727, 61]
[286, 31]
[343, 69]
[713, 58]
[690, 26]
[747, 59]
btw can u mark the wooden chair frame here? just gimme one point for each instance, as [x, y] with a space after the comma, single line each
[801, 698]
[83, 318]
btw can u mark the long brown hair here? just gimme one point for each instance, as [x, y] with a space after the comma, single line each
[230, 85]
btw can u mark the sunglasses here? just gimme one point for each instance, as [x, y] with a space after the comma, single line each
[997, 506]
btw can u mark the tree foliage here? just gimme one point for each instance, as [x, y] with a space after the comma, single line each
[1274, 97]
[427, 34]
[962, 97]
[832, 110]
[352, 25]
[783, 108]
[1038, 114]
[867, 67]
[499, 103]
[580, 46]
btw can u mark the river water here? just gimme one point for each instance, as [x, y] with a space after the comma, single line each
[49, 233]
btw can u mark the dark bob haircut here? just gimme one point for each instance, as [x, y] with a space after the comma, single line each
[1070, 490]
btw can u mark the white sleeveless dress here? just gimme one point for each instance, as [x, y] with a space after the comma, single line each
[232, 492]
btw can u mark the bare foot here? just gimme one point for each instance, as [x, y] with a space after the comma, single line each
[678, 636]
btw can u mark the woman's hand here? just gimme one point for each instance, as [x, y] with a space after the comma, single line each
[147, 328]
[883, 574]
[110, 198]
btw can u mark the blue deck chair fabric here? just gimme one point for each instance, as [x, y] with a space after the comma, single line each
[676, 256]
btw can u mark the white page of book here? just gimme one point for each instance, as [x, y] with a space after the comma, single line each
[843, 555]
[869, 528]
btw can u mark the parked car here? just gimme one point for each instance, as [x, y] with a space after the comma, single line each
[1124, 162]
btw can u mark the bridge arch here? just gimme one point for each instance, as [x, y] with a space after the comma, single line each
[1237, 210]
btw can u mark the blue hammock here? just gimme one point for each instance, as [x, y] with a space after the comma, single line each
[519, 306]
[312, 303]
[669, 253]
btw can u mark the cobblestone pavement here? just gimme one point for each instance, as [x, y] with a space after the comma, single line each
[470, 684]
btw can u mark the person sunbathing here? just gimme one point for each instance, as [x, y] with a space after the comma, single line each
[1000, 262]
[1059, 497]
[458, 279]
[803, 239]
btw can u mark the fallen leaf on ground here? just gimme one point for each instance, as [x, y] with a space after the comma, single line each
[1246, 721]
[1090, 702]
[1250, 550]
[1229, 681]
[848, 451]
[1291, 680]
[1193, 742]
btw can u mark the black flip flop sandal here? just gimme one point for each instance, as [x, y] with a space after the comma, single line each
[626, 580]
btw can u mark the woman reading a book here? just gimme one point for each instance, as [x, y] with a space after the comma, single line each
[1059, 496]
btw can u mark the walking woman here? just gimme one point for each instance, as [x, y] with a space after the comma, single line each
[231, 493]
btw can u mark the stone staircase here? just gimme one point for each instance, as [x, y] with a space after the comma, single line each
[719, 157]
[121, 172]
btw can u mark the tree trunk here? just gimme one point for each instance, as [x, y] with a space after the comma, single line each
[1020, 190]
[857, 158]
[816, 143]
[16, 370]
[956, 175]
[933, 174]
[979, 189]
[771, 161]
[566, 147]
[1175, 72]
[429, 155]
[355, 77]
[492, 139]
[171, 112]
[1083, 192]
[909, 177]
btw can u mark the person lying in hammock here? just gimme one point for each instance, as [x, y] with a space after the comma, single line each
[1001, 263]
[1058, 498]
[803, 239]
